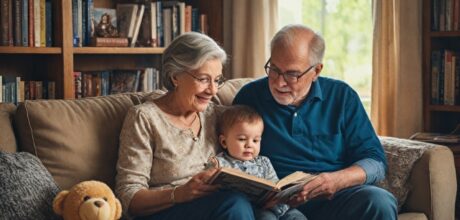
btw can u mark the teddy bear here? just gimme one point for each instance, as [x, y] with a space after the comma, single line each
[88, 200]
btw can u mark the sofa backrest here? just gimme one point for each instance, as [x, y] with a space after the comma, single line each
[76, 140]
[226, 94]
[7, 138]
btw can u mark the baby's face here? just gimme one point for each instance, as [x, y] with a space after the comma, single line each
[242, 140]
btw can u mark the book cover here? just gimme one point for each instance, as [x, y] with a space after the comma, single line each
[260, 190]
[126, 17]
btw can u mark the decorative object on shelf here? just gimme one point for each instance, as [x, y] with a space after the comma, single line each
[105, 28]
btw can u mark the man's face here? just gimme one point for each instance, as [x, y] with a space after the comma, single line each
[292, 59]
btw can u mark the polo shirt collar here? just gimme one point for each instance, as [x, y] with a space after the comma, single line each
[314, 93]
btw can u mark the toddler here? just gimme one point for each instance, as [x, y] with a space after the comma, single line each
[240, 133]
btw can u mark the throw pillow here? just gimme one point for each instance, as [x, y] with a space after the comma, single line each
[27, 189]
[401, 156]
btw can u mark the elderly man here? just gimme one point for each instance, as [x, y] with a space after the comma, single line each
[318, 125]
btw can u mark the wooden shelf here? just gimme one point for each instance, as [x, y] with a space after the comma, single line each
[118, 50]
[445, 34]
[30, 50]
[444, 108]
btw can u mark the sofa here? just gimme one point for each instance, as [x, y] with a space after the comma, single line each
[77, 140]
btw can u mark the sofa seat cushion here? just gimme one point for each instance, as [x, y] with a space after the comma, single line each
[7, 138]
[27, 189]
[76, 140]
[412, 216]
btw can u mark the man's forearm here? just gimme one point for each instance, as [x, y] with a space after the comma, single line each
[351, 176]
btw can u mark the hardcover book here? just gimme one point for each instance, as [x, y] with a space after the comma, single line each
[126, 16]
[436, 137]
[260, 190]
[109, 42]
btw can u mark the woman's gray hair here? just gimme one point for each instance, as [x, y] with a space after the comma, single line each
[189, 52]
[285, 36]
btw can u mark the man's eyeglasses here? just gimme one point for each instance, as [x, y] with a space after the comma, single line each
[205, 81]
[289, 76]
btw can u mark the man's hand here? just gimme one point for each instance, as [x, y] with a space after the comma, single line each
[325, 185]
[196, 187]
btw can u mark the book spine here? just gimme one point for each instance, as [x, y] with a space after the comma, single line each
[37, 25]
[80, 22]
[153, 24]
[75, 22]
[4, 22]
[195, 20]
[49, 23]
[25, 23]
[188, 18]
[140, 14]
[42, 23]
[435, 69]
[10, 23]
[89, 19]
[109, 42]
[31, 24]
[17, 23]
[160, 41]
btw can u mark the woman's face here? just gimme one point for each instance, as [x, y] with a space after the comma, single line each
[196, 88]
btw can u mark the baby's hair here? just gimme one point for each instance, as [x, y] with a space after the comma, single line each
[235, 114]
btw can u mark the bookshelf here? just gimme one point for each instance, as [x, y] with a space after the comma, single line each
[57, 63]
[440, 118]
[437, 117]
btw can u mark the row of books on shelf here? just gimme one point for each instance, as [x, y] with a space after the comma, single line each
[445, 77]
[445, 15]
[101, 83]
[149, 24]
[15, 90]
[26, 23]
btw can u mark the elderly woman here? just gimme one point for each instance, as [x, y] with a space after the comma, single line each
[165, 143]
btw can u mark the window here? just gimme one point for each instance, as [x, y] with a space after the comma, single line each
[346, 26]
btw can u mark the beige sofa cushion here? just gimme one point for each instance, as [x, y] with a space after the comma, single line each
[7, 138]
[228, 91]
[412, 216]
[76, 140]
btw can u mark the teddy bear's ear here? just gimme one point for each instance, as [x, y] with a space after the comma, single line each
[118, 209]
[58, 202]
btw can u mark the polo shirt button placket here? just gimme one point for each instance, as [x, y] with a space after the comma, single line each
[295, 114]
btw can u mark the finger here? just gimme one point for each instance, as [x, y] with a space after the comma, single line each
[207, 188]
[206, 175]
[310, 186]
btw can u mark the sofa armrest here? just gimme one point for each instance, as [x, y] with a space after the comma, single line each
[434, 185]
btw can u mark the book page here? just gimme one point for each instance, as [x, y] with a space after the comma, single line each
[294, 178]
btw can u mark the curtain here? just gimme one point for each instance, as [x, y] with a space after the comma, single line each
[248, 29]
[396, 108]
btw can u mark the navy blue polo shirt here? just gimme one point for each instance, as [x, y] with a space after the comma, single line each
[328, 131]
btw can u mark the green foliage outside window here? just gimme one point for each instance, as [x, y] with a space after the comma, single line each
[346, 26]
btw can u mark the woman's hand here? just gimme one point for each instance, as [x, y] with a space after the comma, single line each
[196, 187]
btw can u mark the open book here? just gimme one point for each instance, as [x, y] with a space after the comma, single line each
[261, 190]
